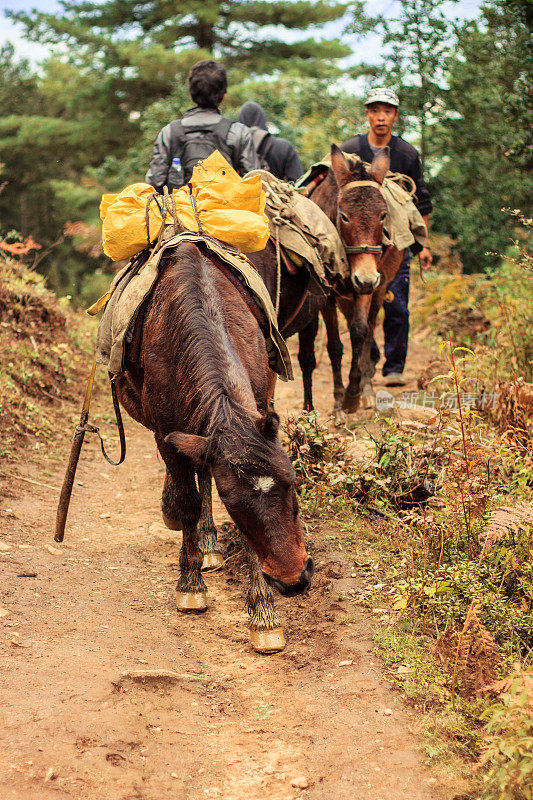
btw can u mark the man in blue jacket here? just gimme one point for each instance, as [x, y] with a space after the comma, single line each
[382, 112]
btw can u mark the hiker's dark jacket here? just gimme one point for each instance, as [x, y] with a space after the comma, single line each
[278, 153]
[404, 158]
[239, 143]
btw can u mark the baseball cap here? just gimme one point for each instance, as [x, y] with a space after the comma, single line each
[382, 94]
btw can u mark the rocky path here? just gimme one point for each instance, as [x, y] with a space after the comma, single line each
[106, 693]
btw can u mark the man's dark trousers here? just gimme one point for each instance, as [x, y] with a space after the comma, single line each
[396, 322]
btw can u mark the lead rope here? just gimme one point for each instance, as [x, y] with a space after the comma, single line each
[277, 221]
[177, 223]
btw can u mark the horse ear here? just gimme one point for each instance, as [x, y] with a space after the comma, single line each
[195, 447]
[380, 165]
[268, 425]
[340, 166]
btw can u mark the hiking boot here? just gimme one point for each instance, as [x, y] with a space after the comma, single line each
[395, 379]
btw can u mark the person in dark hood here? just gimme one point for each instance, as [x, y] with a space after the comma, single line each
[277, 155]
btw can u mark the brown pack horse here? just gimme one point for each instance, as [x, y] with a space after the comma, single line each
[203, 391]
[352, 199]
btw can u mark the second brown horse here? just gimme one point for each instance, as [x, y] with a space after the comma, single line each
[352, 198]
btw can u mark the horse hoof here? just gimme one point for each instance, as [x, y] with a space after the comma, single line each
[368, 401]
[212, 561]
[191, 601]
[267, 641]
[351, 403]
[171, 524]
[339, 418]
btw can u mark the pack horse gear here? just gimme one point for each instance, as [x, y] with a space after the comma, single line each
[192, 144]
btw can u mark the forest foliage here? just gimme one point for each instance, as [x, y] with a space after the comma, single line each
[83, 122]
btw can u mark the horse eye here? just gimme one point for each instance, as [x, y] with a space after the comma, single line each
[344, 217]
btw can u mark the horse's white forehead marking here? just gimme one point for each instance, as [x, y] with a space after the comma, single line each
[264, 483]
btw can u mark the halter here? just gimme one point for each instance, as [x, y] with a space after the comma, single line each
[356, 250]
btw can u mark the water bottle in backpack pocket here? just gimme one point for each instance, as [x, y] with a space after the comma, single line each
[195, 143]
[175, 177]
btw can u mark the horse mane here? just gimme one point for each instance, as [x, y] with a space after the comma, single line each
[214, 405]
[356, 164]
[238, 440]
[357, 167]
[326, 193]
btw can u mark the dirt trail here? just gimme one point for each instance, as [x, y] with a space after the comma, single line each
[317, 721]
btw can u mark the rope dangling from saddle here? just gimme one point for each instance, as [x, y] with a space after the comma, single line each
[278, 272]
[86, 428]
[195, 211]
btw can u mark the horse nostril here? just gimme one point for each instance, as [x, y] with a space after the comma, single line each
[290, 589]
[377, 281]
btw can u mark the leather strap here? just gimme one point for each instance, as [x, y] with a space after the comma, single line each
[355, 184]
[363, 248]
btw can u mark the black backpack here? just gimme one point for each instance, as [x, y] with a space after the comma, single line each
[194, 143]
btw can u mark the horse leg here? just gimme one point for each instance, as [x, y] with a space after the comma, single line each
[169, 504]
[335, 351]
[266, 633]
[307, 359]
[206, 527]
[368, 366]
[182, 494]
[358, 333]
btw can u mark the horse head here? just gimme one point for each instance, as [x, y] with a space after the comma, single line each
[256, 483]
[361, 210]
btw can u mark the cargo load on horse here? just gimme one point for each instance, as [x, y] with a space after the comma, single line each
[220, 212]
[216, 200]
[303, 234]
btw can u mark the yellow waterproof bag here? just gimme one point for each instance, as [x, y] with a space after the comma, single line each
[229, 208]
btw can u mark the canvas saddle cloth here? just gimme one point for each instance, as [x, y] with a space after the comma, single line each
[305, 232]
[132, 287]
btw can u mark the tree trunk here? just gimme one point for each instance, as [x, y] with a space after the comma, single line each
[205, 36]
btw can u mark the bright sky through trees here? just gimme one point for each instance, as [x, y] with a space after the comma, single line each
[466, 9]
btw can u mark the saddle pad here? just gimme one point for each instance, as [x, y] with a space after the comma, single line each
[133, 284]
[305, 230]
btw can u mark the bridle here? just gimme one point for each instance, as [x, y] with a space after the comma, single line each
[356, 250]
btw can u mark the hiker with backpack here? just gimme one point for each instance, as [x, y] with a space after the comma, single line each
[277, 155]
[180, 145]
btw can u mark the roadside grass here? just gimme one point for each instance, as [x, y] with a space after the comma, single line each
[46, 349]
[438, 526]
